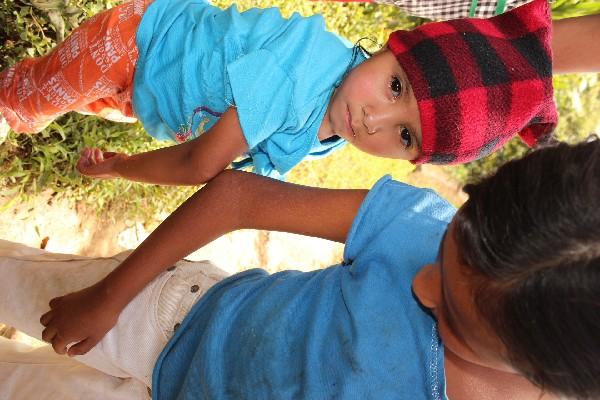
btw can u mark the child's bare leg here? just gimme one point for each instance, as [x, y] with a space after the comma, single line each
[91, 71]
[39, 373]
[31, 277]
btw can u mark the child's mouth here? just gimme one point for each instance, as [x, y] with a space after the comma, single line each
[349, 123]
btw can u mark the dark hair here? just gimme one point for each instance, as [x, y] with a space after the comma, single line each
[530, 235]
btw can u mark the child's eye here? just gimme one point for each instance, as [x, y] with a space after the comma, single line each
[396, 87]
[405, 137]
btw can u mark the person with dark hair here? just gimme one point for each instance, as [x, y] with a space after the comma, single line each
[498, 300]
[533, 255]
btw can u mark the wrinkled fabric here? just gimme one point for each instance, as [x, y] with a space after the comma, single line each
[350, 331]
[31, 277]
[197, 60]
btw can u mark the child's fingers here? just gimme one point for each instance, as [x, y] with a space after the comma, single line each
[82, 347]
[46, 318]
[98, 156]
[59, 344]
[84, 158]
[84, 153]
[53, 303]
[48, 334]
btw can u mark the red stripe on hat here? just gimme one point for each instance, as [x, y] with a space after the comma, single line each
[526, 103]
[460, 59]
[517, 66]
[475, 99]
[428, 124]
[434, 30]
[533, 16]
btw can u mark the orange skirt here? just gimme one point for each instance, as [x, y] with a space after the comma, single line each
[90, 72]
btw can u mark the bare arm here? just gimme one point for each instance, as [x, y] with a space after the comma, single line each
[191, 163]
[576, 44]
[233, 200]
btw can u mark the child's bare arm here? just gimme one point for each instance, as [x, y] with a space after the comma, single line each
[233, 200]
[191, 163]
[576, 44]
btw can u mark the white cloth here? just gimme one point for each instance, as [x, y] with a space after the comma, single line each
[31, 277]
[28, 373]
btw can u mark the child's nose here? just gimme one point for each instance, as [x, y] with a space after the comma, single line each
[378, 119]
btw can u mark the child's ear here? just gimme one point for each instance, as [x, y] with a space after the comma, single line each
[427, 286]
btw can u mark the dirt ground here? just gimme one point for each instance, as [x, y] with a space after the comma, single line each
[59, 226]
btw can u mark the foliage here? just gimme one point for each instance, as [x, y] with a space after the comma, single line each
[574, 8]
[31, 163]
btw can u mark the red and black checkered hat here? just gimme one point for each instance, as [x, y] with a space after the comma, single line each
[480, 81]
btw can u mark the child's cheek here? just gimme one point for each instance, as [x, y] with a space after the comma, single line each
[360, 87]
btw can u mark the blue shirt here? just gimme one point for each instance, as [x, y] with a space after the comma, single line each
[196, 60]
[350, 331]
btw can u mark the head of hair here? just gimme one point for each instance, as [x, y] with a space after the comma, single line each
[530, 236]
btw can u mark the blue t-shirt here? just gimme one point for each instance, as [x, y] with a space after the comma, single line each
[196, 60]
[350, 331]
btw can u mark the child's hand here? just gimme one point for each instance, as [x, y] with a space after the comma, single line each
[99, 164]
[80, 319]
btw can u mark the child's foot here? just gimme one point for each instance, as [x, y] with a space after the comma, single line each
[4, 128]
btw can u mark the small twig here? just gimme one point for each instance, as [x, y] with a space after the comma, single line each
[39, 25]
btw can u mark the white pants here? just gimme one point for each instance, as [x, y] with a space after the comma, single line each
[126, 355]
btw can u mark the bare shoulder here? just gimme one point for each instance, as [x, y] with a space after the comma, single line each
[467, 381]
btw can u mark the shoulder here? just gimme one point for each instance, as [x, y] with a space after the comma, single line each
[399, 219]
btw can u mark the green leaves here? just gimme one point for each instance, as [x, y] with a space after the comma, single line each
[32, 163]
[574, 8]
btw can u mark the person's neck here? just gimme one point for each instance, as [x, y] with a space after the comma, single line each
[466, 380]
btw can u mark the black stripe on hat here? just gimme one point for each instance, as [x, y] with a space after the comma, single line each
[488, 147]
[439, 158]
[531, 49]
[448, 113]
[436, 70]
[499, 105]
[492, 69]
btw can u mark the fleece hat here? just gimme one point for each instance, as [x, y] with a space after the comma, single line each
[478, 82]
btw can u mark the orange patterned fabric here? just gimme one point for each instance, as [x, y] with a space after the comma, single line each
[90, 72]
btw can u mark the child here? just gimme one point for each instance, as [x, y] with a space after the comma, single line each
[280, 90]
[510, 282]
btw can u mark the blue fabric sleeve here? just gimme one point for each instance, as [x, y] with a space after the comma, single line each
[282, 88]
[414, 218]
[263, 108]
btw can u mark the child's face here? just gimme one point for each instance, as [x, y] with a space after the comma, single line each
[445, 288]
[375, 109]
